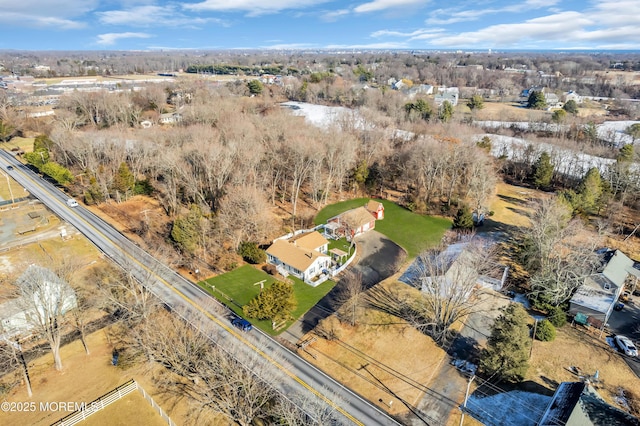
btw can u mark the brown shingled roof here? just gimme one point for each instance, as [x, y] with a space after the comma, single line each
[310, 240]
[292, 255]
[357, 217]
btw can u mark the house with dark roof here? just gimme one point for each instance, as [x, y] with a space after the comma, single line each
[578, 404]
[599, 293]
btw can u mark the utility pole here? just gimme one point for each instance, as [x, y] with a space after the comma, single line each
[533, 337]
[466, 396]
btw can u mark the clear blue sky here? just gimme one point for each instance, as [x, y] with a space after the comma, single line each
[319, 24]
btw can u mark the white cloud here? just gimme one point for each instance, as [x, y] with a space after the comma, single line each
[252, 7]
[378, 5]
[452, 16]
[151, 15]
[561, 26]
[111, 38]
[335, 14]
[412, 35]
[45, 13]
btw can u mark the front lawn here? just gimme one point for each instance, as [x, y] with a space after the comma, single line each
[236, 288]
[413, 232]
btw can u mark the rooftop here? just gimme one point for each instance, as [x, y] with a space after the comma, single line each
[293, 255]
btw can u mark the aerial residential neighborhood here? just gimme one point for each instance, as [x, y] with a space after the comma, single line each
[312, 213]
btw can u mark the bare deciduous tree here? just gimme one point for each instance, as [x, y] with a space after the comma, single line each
[350, 296]
[448, 279]
[214, 381]
[557, 251]
[46, 298]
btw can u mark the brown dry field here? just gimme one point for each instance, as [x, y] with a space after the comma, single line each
[83, 379]
[513, 111]
[586, 350]
[415, 355]
[133, 408]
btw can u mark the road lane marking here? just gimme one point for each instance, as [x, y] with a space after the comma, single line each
[192, 303]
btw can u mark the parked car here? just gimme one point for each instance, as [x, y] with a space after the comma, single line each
[618, 306]
[626, 345]
[624, 297]
[241, 323]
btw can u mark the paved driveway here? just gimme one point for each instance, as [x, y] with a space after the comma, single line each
[378, 258]
[627, 323]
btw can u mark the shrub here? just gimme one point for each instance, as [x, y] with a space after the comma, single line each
[545, 331]
[251, 253]
[270, 269]
[557, 316]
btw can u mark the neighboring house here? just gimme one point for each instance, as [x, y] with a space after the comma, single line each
[399, 85]
[421, 89]
[170, 118]
[526, 92]
[599, 294]
[302, 256]
[552, 100]
[20, 315]
[376, 209]
[572, 96]
[578, 404]
[452, 98]
[452, 265]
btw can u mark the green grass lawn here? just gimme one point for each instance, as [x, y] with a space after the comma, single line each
[236, 288]
[413, 232]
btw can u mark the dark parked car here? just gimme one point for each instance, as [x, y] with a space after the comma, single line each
[241, 323]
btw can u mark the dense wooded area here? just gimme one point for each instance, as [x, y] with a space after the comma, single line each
[234, 155]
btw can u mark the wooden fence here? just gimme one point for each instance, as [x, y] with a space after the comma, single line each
[108, 399]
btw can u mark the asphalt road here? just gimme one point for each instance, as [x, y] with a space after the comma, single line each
[198, 307]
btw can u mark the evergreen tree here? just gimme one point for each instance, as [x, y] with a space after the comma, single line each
[186, 230]
[625, 154]
[7, 131]
[420, 108]
[536, 100]
[558, 116]
[545, 331]
[274, 303]
[463, 219]
[255, 87]
[571, 107]
[445, 112]
[633, 131]
[123, 181]
[542, 171]
[507, 352]
[476, 102]
[590, 191]
[59, 173]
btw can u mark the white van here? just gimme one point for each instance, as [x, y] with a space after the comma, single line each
[72, 203]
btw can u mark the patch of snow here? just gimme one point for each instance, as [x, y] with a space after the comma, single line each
[566, 162]
[5, 264]
[515, 408]
[321, 115]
